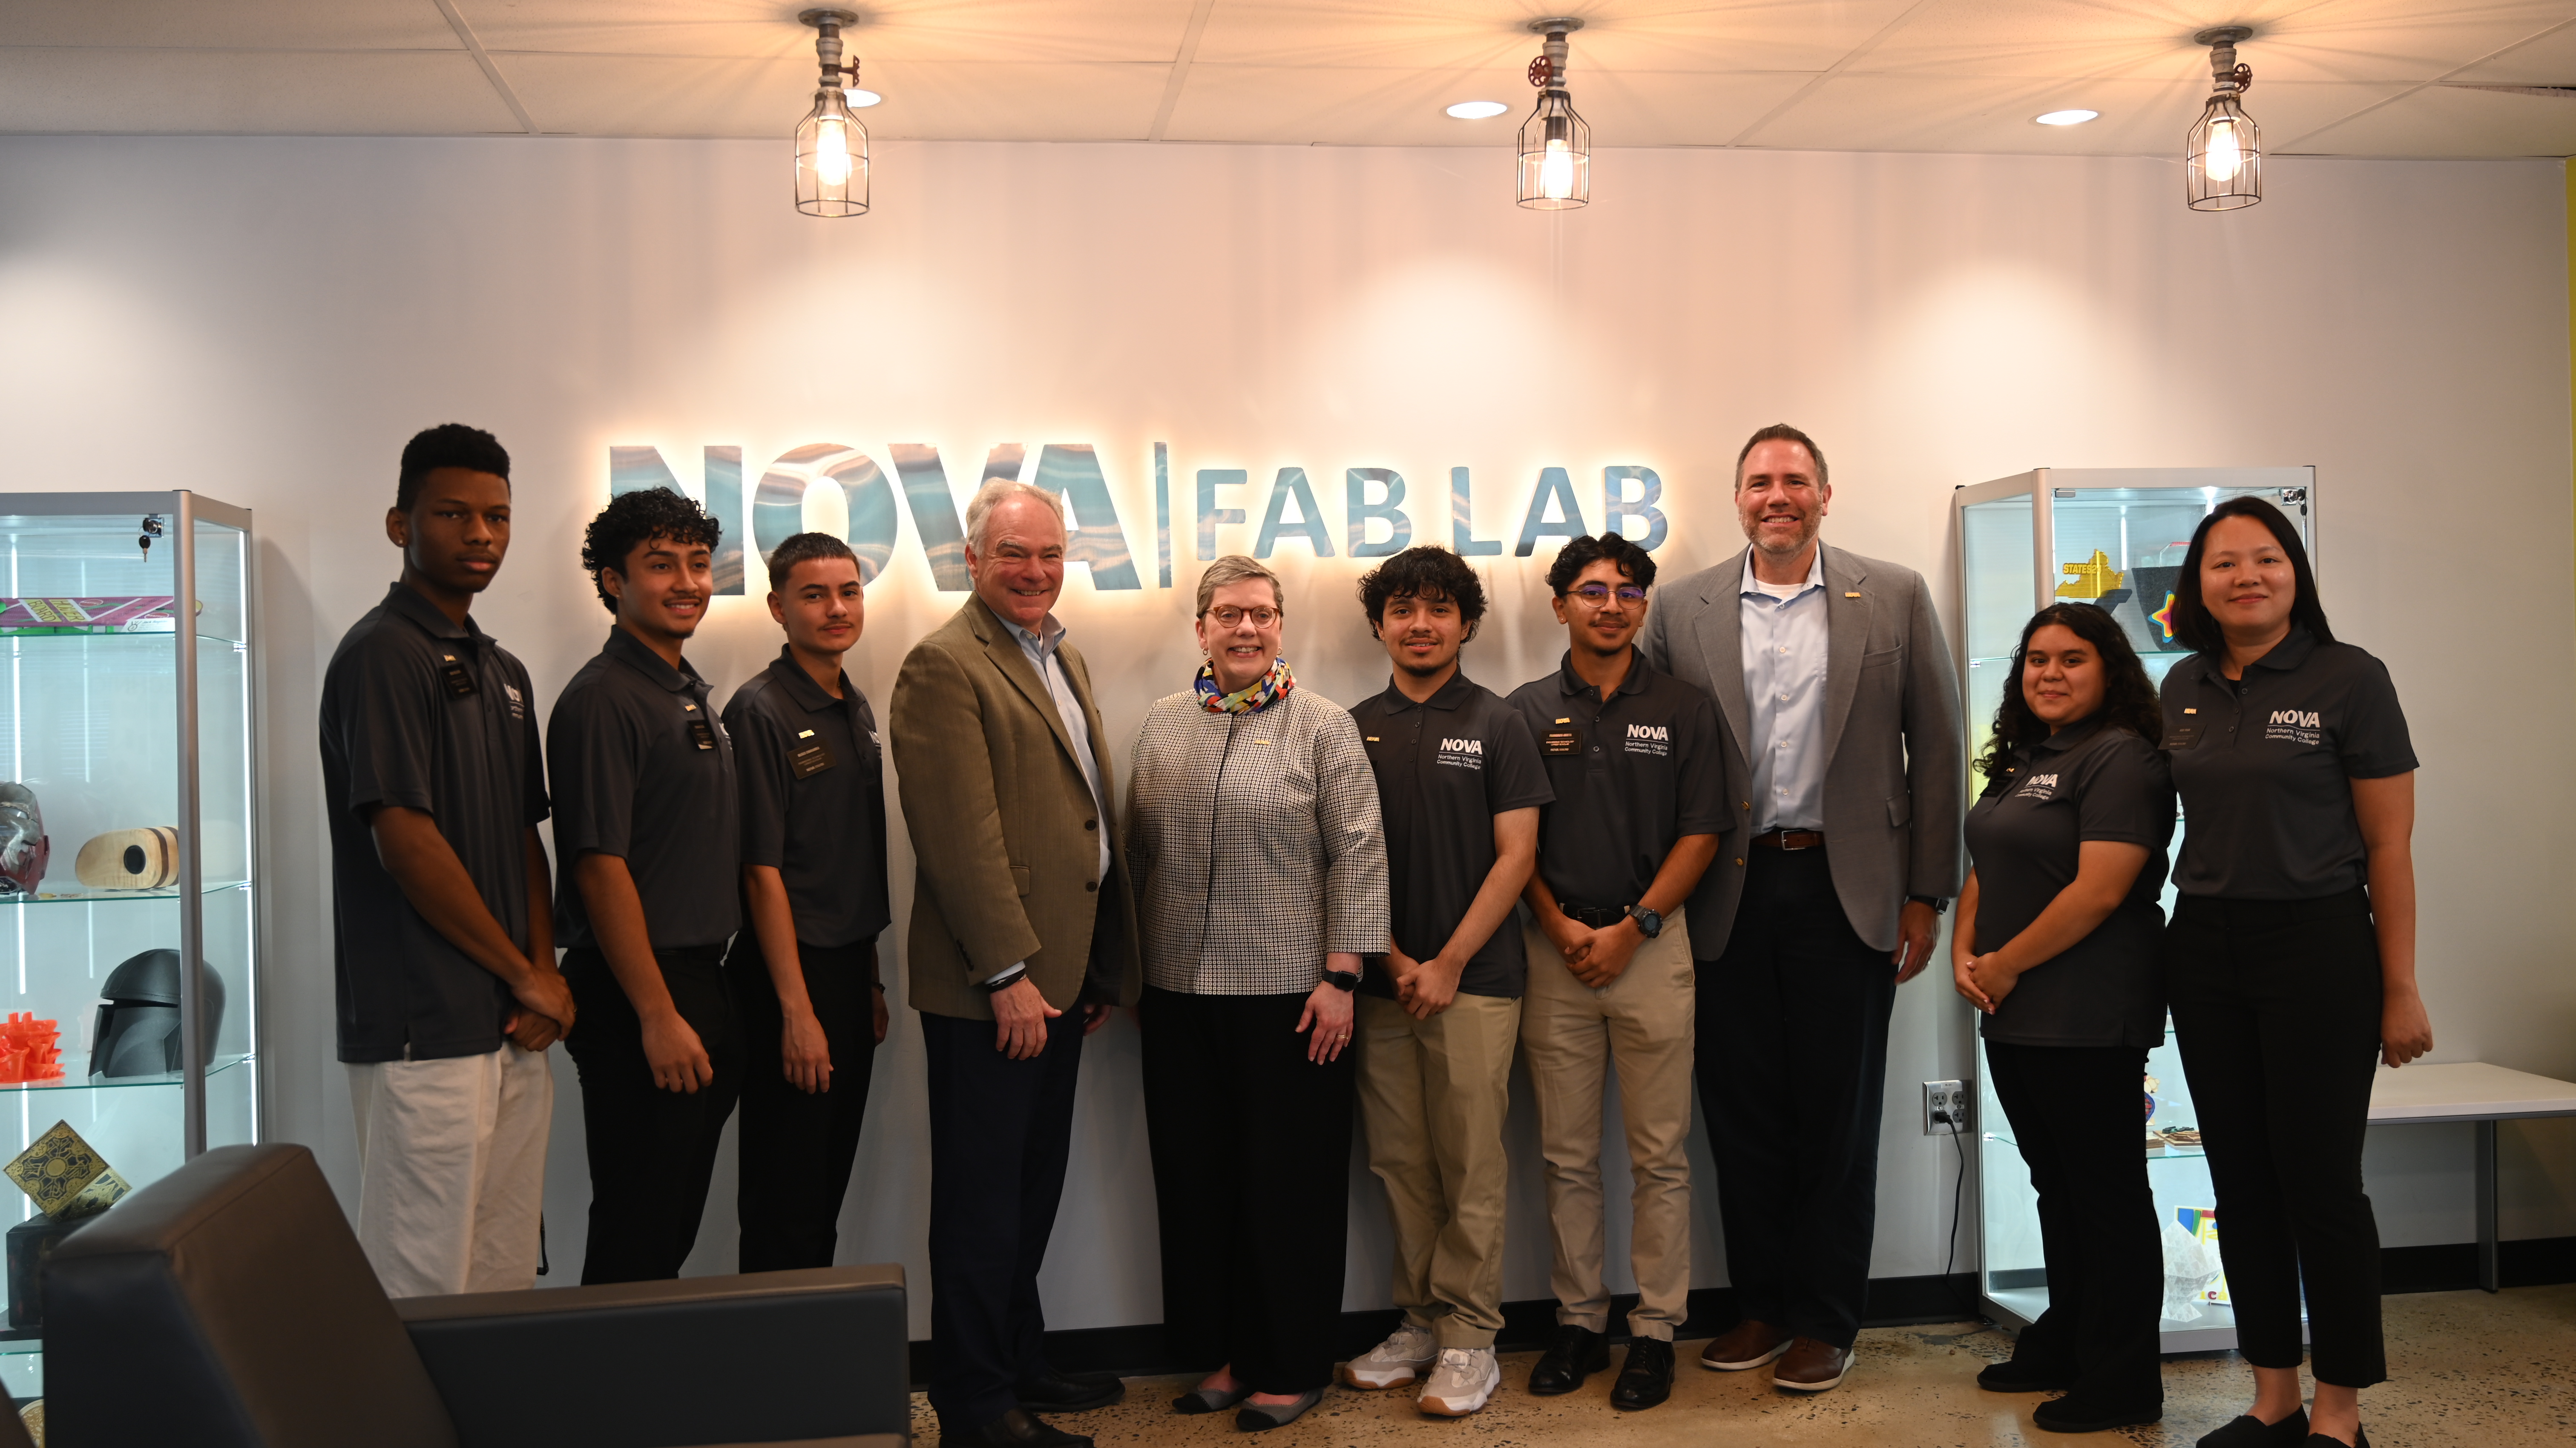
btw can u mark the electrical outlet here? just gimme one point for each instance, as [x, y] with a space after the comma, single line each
[1945, 1108]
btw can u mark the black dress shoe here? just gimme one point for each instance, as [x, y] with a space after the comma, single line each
[1020, 1428]
[2071, 1414]
[1069, 1392]
[2248, 1431]
[2019, 1376]
[1646, 1378]
[1575, 1353]
[2360, 1439]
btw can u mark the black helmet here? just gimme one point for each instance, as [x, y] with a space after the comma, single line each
[138, 1022]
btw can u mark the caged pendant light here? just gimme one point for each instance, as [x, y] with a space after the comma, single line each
[2222, 156]
[831, 145]
[1556, 146]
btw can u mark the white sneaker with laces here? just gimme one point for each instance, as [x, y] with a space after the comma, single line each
[1394, 1362]
[1463, 1381]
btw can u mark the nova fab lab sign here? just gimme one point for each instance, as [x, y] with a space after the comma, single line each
[1378, 506]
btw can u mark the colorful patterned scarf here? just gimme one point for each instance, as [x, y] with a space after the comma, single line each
[1263, 692]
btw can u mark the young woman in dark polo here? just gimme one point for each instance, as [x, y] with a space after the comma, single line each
[2290, 962]
[2058, 943]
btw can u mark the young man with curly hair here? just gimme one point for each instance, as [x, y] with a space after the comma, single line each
[646, 809]
[1459, 787]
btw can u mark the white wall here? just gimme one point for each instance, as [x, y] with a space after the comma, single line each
[267, 320]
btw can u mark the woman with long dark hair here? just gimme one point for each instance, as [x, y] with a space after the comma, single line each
[2291, 959]
[2057, 943]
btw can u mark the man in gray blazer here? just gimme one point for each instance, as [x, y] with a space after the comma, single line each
[1023, 939]
[1841, 722]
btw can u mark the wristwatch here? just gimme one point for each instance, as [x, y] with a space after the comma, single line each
[1649, 924]
[1342, 980]
[1939, 905]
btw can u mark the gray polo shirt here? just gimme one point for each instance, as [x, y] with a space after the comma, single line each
[643, 770]
[421, 713]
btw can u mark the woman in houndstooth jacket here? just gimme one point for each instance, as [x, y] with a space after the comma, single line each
[1260, 864]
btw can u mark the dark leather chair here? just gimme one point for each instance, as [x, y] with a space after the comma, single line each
[228, 1306]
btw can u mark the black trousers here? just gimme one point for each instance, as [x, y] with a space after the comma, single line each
[2276, 1012]
[652, 1152]
[1000, 1131]
[2074, 1113]
[797, 1146]
[1792, 1062]
[1252, 1158]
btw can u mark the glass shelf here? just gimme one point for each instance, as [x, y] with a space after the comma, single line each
[122, 1083]
[112, 897]
[156, 641]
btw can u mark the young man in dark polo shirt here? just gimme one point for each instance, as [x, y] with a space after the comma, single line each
[1459, 787]
[648, 820]
[443, 948]
[1640, 803]
[804, 972]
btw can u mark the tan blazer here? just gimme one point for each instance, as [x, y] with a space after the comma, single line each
[1002, 822]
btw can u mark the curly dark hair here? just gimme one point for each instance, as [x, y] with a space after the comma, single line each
[2193, 626]
[2128, 695]
[448, 445]
[1634, 563]
[1429, 571]
[632, 520]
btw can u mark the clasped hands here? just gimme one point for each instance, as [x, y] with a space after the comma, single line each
[1596, 957]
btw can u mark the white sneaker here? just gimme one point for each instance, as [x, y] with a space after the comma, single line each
[1463, 1382]
[1394, 1362]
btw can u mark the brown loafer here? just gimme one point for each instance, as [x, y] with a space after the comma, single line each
[1810, 1366]
[1748, 1344]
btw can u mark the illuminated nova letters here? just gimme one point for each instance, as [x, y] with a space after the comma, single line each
[1097, 538]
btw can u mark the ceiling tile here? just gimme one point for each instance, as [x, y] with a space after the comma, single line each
[1036, 31]
[924, 99]
[2440, 121]
[1299, 106]
[1969, 114]
[238, 24]
[248, 92]
[1622, 34]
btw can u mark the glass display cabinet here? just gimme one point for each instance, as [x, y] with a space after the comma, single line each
[128, 844]
[2114, 538]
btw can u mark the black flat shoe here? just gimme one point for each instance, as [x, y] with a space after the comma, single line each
[2068, 1415]
[1019, 1428]
[1646, 1378]
[1262, 1417]
[2360, 1439]
[2248, 1431]
[1575, 1353]
[1069, 1392]
[1209, 1400]
[2023, 1377]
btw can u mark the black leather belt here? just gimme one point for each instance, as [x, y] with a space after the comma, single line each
[1598, 917]
[1791, 839]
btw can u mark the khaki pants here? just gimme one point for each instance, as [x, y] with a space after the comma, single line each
[1572, 1035]
[452, 1169]
[1432, 1096]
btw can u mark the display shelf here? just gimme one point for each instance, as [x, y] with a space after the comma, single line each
[117, 897]
[214, 1066]
[2113, 538]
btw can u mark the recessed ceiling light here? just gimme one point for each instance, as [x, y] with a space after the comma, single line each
[861, 99]
[1478, 110]
[2053, 118]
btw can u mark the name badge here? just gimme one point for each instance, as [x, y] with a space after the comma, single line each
[702, 734]
[2185, 735]
[460, 684]
[1556, 743]
[809, 756]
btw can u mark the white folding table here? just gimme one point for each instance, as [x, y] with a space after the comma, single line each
[2482, 1095]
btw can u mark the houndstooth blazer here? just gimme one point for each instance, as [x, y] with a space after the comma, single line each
[1255, 845]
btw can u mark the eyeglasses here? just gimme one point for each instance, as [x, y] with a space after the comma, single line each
[1597, 594]
[1234, 617]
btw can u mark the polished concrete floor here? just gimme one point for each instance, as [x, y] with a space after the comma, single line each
[2466, 1368]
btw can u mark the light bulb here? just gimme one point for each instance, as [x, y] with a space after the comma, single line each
[832, 153]
[1556, 172]
[2224, 158]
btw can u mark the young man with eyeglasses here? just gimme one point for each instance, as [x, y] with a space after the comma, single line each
[1632, 754]
[1459, 788]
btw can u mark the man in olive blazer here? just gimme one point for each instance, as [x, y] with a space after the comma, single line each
[1022, 942]
[1840, 717]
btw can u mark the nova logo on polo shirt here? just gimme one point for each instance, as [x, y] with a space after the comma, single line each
[2041, 787]
[1650, 739]
[518, 705]
[1461, 753]
[2297, 726]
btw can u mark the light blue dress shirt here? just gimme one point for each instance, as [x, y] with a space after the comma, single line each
[1041, 649]
[1784, 697]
